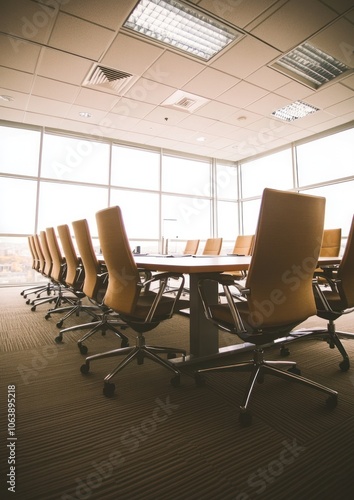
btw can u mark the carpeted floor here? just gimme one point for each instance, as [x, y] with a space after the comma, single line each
[152, 441]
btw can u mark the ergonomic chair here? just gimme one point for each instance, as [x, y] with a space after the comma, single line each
[336, 299]
[278, 289]
[36, 266]
[94, 287]
[74, 279]
[212, 246]
[140, 307]
[191, 247]
[45, 268]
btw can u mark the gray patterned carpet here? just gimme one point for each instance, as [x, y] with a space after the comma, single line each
[152, 441]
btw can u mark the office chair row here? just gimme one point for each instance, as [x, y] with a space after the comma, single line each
[289, 229]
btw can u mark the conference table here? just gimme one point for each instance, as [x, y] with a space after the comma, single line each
[203, 334]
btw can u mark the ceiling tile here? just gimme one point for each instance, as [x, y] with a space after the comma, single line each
[237, 60]
[216, 110]
[289, 26]
[28, 20]
[15, 80]
[108, 13]
[242, 94]
[53, 89]
[129, 54]
[331, 95]
[210, 83]
[45, 106]
[268, 78]
[63, 67]
[149, 91]
[133, 108]
[174, 69]
[96, 99]
[18, 54]
[80, 37]
[237, 12]
[338, 41]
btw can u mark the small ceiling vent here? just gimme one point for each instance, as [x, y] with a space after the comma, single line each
[108, 79]
[184, 101]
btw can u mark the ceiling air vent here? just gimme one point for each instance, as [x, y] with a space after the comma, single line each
[108, 79]
[184, 101]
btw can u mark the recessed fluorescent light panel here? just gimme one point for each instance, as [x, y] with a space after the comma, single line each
[312, 64]
[294, 111]
[181, 27]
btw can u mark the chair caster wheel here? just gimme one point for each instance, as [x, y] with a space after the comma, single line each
[245, 418]
[284, 351]
[332, 401]
[108, 389]
[33, 308]
[199, 380]
[171, 355]
[58, 339]
[60, 324]
[294, 370]
[28, 301]
[176, 381]
[47, 316]
[125, 343]
[344, 365]
[83, 348]
[84, 369]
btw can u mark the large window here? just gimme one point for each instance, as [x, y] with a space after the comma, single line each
[274, 171]
[19, 152]
[135, 168]
[326, 159]
[47, 179]
[72, 159]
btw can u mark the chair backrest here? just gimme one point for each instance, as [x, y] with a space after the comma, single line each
[346, 271]
[122, 292]
[44, 253]
[35, 258]
[212, 246]
[93, 278]
[244, 244]
[286, 250]
[58, 269]
[72, 276]
[331, 242]
[191, 247]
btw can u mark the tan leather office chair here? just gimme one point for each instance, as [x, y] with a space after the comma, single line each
[74, 278]
[191, 247]
[64, 294]
[212, 246]
[331, 242]
[45, 268]
[337, 298]
[140, 307]
[244, 244]
[94, 287]
[278, 289]
[41, 288]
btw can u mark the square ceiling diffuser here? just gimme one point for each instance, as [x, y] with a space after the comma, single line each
[181, 26]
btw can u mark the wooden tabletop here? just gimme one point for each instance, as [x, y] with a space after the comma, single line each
[199, 264]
